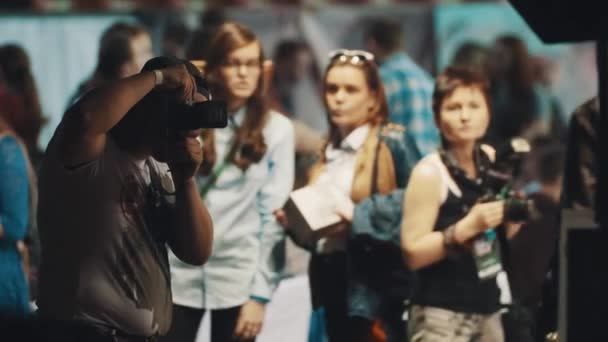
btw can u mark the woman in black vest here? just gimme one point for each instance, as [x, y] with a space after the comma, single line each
[454, 300]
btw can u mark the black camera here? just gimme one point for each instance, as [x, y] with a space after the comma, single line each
[208, 114]
[500, 178]
[188, 116]
[520, 209]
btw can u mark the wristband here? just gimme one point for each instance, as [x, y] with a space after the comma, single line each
[159, 77]
[259, 299]
[449, 241]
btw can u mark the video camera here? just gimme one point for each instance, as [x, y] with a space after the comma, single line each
[500, 181]
[189, 116]
[208, 114]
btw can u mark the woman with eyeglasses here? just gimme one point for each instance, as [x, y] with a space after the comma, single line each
[365, 156]
[447, 234]
[247, 174]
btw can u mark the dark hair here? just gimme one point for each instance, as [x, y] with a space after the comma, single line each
[471, 55]
[454, 77]
[284, 55]
[287, 49]
[387, 34]
[209, 21]
[512, 77]
[372, 76]
[250, 138]
[115, 50]
[178, 33]
[519, 72]
[16, 69]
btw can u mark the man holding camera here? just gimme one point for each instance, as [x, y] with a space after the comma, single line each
[117, 185]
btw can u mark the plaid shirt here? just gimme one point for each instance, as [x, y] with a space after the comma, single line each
[409, 91]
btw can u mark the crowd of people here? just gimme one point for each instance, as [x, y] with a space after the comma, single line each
[126, 229]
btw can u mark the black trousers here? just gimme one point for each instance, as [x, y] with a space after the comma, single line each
[520, 324]
[328, 283]
[186, 322]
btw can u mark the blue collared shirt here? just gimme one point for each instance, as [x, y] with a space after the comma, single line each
[409, 93]
[247, 237]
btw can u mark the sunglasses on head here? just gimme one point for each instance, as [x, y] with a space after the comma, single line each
[352, 56]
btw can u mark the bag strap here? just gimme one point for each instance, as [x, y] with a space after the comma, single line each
[374, 182]
[215, 175]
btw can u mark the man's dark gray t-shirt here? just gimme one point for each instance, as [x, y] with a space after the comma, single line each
[104, 259]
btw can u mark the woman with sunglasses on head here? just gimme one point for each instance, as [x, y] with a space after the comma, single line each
[364, 156]
[247, 174]
[445, 222]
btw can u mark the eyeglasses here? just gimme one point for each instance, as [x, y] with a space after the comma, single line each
[251, 65]
[355, 57]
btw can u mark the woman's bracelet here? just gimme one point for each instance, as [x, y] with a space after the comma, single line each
[449, 240]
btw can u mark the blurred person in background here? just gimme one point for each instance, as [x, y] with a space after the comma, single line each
[247, 174]
[293, 65]
[364, 158]
[17, 71]
[175, 39]
[408, 87]
[123, 50]
[521, 105]
[532, 250]
[17, 201]
[26, 120]
[209, 21]
[443, 215]
[472, 55]
[582, 166]
[295, 91]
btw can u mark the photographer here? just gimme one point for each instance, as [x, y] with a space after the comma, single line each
[444, 221]
[116, 186]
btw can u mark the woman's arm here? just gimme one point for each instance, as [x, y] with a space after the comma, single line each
[422, 246]
[422, 199]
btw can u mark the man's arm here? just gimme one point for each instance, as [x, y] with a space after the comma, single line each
[87, 122]
[193, 237]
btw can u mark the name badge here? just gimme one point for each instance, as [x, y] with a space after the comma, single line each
[486, 251]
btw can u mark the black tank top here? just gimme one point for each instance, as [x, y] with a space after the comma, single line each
[452, 283]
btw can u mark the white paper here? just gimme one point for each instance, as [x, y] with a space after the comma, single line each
[318, 203]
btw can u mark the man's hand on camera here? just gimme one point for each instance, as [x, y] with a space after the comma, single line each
[177, 77]
[186, 155]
